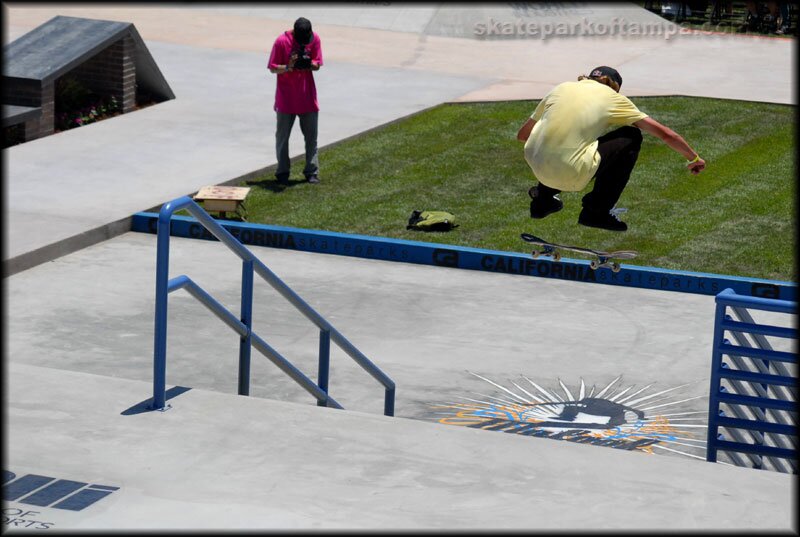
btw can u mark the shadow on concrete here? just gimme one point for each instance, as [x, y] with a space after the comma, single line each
[147, 405]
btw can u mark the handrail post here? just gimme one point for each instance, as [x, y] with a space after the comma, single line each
[713, 402]
[243, 326]
[160, 337]
[247, 320]
[324, 363]
[388, 402]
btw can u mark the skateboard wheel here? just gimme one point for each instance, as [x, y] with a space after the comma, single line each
[615, 267]
[536, 253]
[594, 265]
[556, 256]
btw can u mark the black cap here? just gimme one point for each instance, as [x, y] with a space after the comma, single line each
[302, 31]
[610, 72]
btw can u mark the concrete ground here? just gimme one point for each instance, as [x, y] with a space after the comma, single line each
[79, 303]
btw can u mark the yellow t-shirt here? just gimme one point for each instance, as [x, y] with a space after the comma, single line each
[562, 147]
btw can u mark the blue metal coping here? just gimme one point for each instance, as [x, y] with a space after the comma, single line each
[445, 255]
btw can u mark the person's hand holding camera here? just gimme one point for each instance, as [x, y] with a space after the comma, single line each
[300, 59]
[292, 61]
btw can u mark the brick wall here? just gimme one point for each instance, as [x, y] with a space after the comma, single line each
[47, 120]
[21, 91]
[26, 92]
[112, 72]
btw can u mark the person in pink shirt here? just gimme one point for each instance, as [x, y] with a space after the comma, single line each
[296, 54]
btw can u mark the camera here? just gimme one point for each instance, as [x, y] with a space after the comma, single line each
[303, 60]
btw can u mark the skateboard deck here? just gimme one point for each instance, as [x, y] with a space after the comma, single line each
[602, 258]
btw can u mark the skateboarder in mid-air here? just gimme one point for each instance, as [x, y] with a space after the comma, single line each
[587, 129]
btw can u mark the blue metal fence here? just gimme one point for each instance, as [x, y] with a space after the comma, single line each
[752, 403]
[250, 266]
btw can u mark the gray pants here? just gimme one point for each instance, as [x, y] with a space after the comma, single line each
[308, 125]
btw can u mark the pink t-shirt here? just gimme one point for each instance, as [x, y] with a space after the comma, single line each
[296, 92]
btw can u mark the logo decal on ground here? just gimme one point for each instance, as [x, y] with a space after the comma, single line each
[618, 417]
[43, 491]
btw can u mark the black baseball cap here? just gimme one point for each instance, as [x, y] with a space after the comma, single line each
[610, 72]
[302, 31]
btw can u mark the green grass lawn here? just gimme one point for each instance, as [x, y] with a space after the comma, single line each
[736, 218]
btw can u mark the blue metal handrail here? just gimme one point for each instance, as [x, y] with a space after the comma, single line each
[248, 339]
[772, 375]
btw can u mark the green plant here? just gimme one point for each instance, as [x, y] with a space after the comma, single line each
[90, 113]
[77, 105]
[71, 94]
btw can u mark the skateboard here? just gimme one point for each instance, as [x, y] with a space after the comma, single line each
[603, 259]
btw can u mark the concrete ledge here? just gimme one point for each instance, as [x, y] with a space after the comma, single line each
[471, 258]
[13, 115]
[55, 250]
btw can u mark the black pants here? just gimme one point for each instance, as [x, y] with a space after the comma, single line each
[618, 150]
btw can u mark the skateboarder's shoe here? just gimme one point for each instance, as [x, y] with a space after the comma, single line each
[609, 220]
[542, 206]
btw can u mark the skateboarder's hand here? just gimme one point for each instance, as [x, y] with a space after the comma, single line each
[292, 60]
[696, 167]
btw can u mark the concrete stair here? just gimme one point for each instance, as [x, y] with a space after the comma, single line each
[221, 461]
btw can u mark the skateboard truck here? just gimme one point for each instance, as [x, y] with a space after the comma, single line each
[602, 261]
[547, 250]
